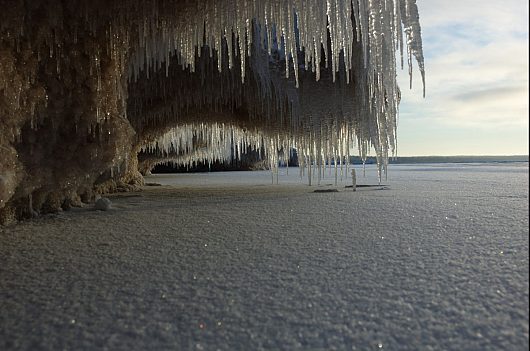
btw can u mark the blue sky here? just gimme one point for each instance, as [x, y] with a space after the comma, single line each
[476, 58]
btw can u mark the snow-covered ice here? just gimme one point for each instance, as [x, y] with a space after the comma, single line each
[434, 259]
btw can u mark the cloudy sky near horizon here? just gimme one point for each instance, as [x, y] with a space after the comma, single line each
[476, 58]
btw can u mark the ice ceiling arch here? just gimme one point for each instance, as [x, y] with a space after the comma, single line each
[108, 77]
[354, 40]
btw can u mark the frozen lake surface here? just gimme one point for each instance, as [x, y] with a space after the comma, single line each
[437, 259]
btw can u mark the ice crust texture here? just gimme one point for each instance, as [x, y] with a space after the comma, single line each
[438, 261]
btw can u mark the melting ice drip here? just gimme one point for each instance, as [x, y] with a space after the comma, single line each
[342, 54]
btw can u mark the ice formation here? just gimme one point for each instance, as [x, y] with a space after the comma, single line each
[317, 41]
[110, 77]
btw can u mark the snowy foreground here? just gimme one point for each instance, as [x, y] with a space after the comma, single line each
[435, 260]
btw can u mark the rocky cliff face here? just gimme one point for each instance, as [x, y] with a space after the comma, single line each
[86, 85]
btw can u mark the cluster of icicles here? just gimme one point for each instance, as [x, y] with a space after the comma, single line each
[205, 143]
[291, 25]
[355, 40]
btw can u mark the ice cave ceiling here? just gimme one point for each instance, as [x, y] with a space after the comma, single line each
[86, 85]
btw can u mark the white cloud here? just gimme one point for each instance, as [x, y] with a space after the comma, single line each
[490, 17]
[476, 62]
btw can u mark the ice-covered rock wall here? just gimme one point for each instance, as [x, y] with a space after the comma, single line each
[62, 124]
[85, 85]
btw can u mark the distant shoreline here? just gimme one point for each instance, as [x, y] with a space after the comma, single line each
[446, 159]
[356, 160]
